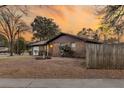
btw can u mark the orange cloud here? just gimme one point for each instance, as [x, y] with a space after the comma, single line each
[71, 19]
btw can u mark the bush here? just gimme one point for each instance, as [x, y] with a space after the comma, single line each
[20, 46]
[66, 51]
[30, 52]
[41, 53]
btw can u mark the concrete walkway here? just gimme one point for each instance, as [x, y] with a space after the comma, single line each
[61, 83]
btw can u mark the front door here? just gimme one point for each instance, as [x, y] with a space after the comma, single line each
[35, 51]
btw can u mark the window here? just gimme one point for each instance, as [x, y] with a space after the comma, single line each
[73, 45]
[62, 44]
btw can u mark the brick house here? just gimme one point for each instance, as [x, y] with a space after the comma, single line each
[52, 46]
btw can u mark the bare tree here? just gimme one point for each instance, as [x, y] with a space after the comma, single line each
[11, 25]
[2, 6]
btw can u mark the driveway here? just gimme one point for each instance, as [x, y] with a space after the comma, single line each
[61, 83]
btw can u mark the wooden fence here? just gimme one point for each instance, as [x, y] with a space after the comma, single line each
[105, 56]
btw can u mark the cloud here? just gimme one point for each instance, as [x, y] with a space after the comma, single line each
[70, 18]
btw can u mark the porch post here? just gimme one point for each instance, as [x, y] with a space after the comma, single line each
[47, 48]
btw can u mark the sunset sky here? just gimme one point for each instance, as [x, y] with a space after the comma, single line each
[71, 19]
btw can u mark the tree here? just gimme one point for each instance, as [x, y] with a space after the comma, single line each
[2, 6]
[114, 18]
[88, 33]
[44, 28]
[82, 32]
[106, 33]
[11, 25]
[20, 46]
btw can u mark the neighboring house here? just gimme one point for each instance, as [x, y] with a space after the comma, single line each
[52, 47]
[3, 48]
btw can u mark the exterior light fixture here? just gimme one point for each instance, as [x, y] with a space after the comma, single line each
[51, 46]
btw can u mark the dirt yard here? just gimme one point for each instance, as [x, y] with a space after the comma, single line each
[29, 67]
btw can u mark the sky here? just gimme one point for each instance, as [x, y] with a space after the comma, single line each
[71, 19]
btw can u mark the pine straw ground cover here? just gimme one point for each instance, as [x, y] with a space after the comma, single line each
[29, 67]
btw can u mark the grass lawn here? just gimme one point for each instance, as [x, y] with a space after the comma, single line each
[29, 67]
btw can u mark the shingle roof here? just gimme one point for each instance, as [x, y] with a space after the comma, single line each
[61, 34]
[74, 36]
[39, 43]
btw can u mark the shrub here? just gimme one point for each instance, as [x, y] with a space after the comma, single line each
[41, 53]
[20, 46]
[66, 51]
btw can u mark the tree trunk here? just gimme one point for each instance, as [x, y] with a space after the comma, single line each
[105, 38]
[118, 38]
[18, 44]
[11, 48]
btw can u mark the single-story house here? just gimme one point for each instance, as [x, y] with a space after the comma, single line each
[53, 45]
